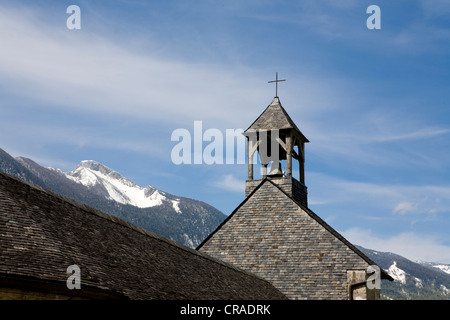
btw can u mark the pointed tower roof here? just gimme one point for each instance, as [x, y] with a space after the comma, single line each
[275, 117]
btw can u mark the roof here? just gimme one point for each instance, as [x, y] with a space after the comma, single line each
[42, 234]
[275, 117]
[265, 207]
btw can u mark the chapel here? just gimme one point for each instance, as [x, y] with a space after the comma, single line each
[274, 235]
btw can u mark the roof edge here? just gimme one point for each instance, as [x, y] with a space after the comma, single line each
[335, 233]
[231, 214]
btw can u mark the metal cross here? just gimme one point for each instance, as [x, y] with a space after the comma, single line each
[276, 84]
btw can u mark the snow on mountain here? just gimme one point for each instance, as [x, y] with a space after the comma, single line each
[443, 267]
[444, 289]
[419, 282]
[93, 174]
[176, 205]
[397, 273]
[412, 279]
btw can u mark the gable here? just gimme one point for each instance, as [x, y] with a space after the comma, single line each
[272, 236]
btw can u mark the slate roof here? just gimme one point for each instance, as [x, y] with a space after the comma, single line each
[272, 235]
[275, 117]
[42, 233]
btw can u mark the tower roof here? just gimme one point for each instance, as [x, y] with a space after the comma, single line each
[274, 117]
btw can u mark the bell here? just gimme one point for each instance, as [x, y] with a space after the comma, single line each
[275, 172]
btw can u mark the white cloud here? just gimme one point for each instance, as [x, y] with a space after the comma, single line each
[382, 140]
[410, 245]
[52, 66]
[404, 207]
[52, 69]
[408, 203]
[424, 133]
[90, 73]
[230, 183]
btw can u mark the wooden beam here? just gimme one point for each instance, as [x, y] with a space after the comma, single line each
[282, 144]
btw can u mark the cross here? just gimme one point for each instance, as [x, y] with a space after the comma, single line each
[276, 84]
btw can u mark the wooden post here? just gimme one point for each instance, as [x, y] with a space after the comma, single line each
[301, 161]
[289, 155]
[250, 160]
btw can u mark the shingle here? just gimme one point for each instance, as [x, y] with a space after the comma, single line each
[275, 117]
[306, 252]
[42, 234]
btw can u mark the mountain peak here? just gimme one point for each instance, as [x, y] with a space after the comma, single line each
[101, 168]
[103, 180]
[93, 165]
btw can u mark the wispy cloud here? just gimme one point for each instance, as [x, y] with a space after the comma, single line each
[52, 70]
[229, 182]
[405, 207]
[346, 21]
[383, 141]
[415, 201]
[410, 245]
[421, 134]
[59, 68]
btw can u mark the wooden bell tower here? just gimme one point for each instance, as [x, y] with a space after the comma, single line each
[276, 138]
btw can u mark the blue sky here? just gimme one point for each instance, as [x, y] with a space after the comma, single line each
[373, 103]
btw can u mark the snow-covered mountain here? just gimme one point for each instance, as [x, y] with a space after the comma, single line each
[443, 267]
[183, 220]
[412, 280]
[114, 186]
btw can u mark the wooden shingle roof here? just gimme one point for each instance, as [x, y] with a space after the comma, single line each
[275, 117]
[274, 236]
[41, 234]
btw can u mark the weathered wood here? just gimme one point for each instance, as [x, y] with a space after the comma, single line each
[289, 155]
[301, 162]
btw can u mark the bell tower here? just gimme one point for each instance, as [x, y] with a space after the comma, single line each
[277, 141]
